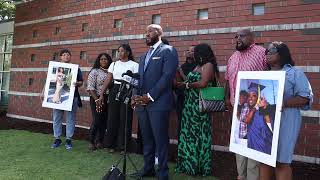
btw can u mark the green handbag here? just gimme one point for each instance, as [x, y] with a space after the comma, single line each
[211, 99]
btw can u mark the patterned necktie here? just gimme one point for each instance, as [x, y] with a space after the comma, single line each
[147, 58]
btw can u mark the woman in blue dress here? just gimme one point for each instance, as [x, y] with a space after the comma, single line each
[297, 95]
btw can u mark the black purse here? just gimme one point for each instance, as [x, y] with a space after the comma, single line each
[114, 173]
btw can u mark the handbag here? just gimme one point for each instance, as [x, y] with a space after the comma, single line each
[114, 173]
[211, 99]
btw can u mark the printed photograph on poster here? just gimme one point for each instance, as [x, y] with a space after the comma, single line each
[256, 115]
[59, 91]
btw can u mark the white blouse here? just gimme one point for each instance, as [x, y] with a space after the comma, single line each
[119, 67]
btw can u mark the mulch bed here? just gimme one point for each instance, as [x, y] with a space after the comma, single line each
[224, 166]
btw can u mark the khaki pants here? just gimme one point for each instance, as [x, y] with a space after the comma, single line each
[248, 169]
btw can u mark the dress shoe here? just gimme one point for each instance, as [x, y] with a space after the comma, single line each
[99, 146]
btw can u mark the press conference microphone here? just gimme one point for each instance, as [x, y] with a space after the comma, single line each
[130, 74]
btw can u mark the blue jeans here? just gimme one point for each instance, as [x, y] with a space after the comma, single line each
[70, 121]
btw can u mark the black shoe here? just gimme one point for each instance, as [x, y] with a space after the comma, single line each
[68, 144]
[141, 173]
[56, 143]
[92, 147]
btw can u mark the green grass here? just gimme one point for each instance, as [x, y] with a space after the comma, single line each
[25, 155]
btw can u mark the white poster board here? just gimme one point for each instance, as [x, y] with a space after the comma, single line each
[59, 88]
[255, 128]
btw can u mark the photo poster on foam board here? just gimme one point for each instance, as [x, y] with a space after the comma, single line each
[256, 115]
[59, 87]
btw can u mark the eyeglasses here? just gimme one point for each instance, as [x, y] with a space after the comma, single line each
[240, 36]
[271, 51]
[103, 59]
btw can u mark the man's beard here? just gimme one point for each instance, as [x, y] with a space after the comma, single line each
[153, 40]
[242, 47]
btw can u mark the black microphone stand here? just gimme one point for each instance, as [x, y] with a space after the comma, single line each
[126, 101]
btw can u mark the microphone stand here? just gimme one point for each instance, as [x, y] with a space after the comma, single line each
[126, 102]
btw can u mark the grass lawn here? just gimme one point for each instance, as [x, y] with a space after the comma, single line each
[26, 155]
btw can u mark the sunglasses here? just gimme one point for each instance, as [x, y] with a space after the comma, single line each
[103, 59]
[240, 36]
[271, 51]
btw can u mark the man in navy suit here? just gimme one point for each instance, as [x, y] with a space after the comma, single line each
[154, 100]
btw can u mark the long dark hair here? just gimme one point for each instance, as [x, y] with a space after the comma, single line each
[96, 64]
[127, 48]
[204, 54]
[284, 53]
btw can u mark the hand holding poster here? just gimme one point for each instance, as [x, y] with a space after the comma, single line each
[59, 88]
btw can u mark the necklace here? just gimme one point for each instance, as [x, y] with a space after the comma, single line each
[103, 69]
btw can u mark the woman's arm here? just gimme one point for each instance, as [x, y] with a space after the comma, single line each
[42, 93]
[92, 84]
[295, 102]
[183, 76]
[93, 94]
[207, 75]
[105, 85]
[57, 77]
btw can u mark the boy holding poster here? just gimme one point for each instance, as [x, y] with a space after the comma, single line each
[57, 114]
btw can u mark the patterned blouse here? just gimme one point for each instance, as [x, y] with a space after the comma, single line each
[96, 78]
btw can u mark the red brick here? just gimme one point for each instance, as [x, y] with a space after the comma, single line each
[222, 14]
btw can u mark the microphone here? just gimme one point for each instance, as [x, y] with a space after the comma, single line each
[130, 74]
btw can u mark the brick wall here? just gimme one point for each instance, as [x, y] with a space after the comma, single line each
[176, 16]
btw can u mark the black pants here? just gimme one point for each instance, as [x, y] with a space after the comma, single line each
[98, 126]
[179, 107]
[139, 143]
[117, 119]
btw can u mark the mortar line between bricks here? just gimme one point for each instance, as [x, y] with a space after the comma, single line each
[99, 11]
[274, 27]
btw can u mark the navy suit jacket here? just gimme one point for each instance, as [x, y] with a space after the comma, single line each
[157, 78]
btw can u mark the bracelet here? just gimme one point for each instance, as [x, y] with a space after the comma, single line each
[187, 86]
